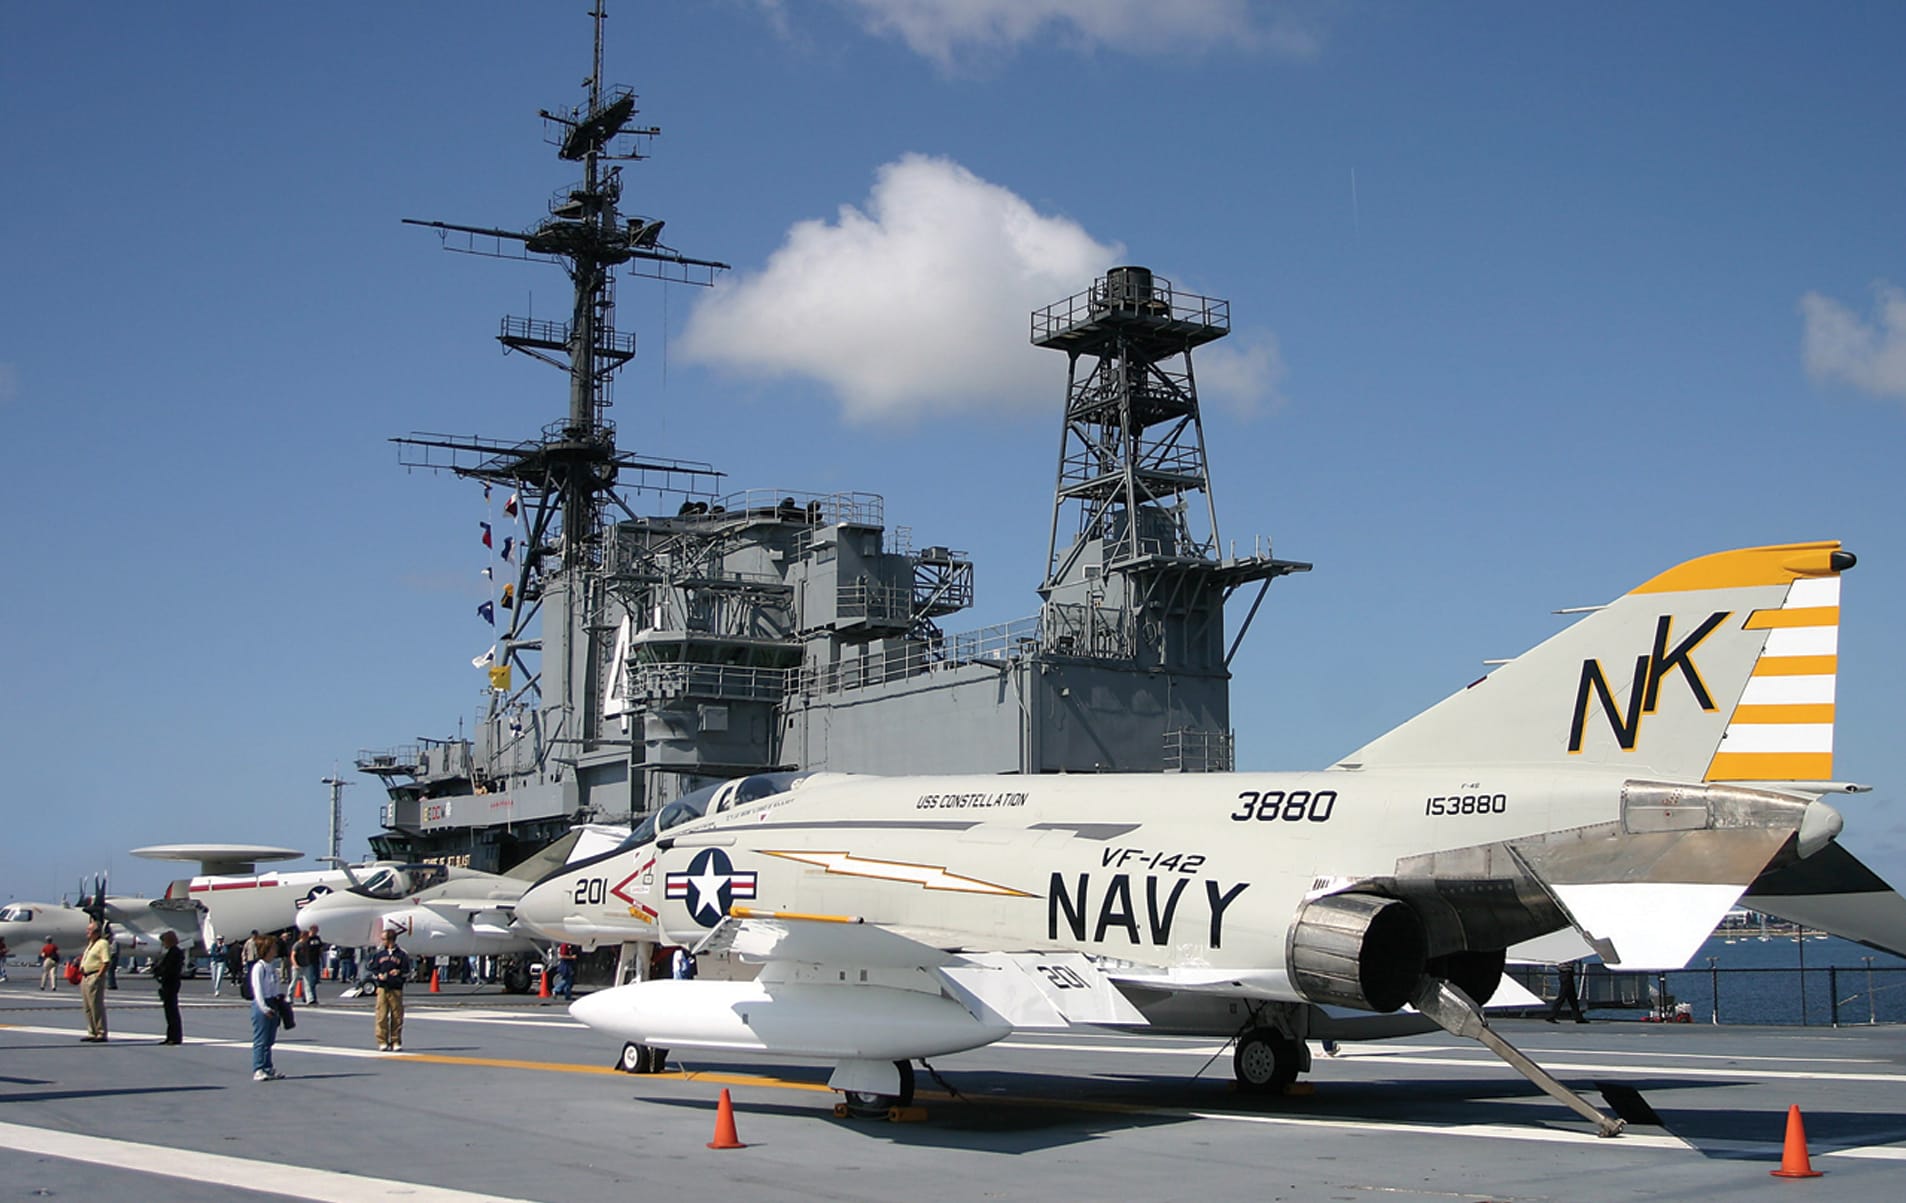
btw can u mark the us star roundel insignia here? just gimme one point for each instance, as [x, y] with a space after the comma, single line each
[710, 886]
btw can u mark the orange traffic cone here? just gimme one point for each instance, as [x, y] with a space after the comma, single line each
[725, 1137]
[543, 992]
[436, 981]
[297, 990]
[1793, 1158]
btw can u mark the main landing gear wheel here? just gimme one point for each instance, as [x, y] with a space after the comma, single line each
[516, 978]
[864, 1105]
[641, 1059]
[1267, 1061]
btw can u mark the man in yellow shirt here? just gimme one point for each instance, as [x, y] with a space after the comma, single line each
[92, 985]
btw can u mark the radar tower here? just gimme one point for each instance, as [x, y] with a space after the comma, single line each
[568, 478]
[1138, 574]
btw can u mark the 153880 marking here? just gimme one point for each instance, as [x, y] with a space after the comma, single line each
[1467, 804]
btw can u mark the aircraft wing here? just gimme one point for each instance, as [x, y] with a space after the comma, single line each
[769, 937]
[1025, 989]
[1834, 892]
[1232, 983]
[457, 912]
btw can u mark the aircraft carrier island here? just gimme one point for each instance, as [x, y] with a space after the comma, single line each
[642, 656]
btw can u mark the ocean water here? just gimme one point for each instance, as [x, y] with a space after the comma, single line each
[1741, 978]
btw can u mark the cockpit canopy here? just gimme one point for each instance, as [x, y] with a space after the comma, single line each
[16, 914]
[709, 800]
[390, 882]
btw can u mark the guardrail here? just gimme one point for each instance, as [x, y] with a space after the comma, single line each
[1829, 996]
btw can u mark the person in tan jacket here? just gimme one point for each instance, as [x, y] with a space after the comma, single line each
[92, 982]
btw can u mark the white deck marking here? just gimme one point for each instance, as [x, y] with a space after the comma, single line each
[266, 1177]
[1628, 1139]
[1416, 1055]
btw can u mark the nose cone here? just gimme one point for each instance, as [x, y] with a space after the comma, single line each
[1818, 826]
[542, 908]
[345, 921]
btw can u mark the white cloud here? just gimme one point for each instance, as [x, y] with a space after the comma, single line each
[1244, 374]
[944, 29]
[915, 304]
[1840, 346]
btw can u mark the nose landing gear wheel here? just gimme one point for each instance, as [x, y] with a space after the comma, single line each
[1267, 1061]
[516, 978]
[862, 1104]
[641, 1059]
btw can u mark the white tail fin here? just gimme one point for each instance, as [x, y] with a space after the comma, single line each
[1721, 669]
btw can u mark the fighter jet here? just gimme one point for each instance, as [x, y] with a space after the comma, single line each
[1629, 778]
[586, 902]
[438, 911]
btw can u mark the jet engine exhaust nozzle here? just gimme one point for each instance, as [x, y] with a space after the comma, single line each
[1358, 950]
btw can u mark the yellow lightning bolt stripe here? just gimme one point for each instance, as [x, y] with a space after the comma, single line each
[932, 877]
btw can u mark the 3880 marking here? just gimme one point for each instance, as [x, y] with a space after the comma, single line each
[1285, 806]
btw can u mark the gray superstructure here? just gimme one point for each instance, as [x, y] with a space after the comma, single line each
[775, 629]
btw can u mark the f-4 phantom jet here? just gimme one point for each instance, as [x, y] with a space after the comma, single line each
[440, 910]
[1629, 778]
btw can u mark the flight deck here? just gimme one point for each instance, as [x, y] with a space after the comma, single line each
[505, 1097]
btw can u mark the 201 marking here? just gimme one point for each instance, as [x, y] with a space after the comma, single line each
[1063, 977]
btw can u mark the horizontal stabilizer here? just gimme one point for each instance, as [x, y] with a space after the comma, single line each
[1551, 949]
[1511, 995]
[1833, 892]
[1647, 925]
[1647, 890]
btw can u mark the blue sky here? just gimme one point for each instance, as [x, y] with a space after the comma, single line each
[1529, 304]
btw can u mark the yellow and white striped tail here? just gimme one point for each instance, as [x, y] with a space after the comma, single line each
[1782, 728]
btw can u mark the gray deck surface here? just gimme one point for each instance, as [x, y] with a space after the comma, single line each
[502, 1097]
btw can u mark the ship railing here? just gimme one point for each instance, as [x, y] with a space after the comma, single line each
[601, 433]
[690, 570]
[1189, 750]
[402, 759]
[1816, 996]
[662, 682]
[815, 509]
[998, 645]
[1158, 299]
[555, 335]
[1154, 547]
[1093, 632]
[997, 642]
[870, 601]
